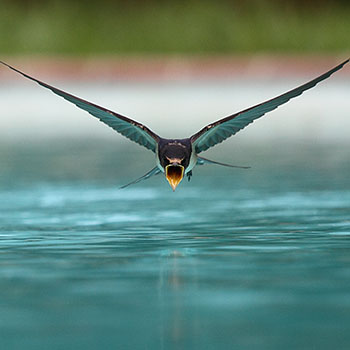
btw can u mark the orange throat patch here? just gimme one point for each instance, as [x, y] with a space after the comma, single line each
[174, 174]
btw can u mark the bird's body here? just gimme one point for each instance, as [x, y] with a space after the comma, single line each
[176, 158]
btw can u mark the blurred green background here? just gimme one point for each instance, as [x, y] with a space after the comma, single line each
[173, 27]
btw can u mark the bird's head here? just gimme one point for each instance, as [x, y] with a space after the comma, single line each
[174, 156]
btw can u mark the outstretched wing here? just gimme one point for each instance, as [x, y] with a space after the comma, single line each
[129, 128]
[222, 129]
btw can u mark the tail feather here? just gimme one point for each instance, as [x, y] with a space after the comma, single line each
[202, 161]
[152, 172]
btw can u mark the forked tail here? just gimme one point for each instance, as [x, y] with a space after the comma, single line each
[202, 161]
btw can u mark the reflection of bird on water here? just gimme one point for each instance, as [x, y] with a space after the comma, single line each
[177, 157]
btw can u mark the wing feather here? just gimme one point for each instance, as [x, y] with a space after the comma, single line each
[129, 128]
[222, 129]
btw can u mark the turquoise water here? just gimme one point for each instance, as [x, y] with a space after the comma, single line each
[247, 259]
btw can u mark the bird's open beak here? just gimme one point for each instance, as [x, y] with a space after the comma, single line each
[174, 174]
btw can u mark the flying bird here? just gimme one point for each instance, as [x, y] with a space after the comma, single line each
[176, 158]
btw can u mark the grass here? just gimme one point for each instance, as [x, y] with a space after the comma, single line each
[178, 27]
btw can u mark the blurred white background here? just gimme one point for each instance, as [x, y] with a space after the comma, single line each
[178, 109]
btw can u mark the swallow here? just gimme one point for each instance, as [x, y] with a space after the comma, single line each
[176, 158]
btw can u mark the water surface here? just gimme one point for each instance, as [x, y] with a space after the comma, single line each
[249, 259]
